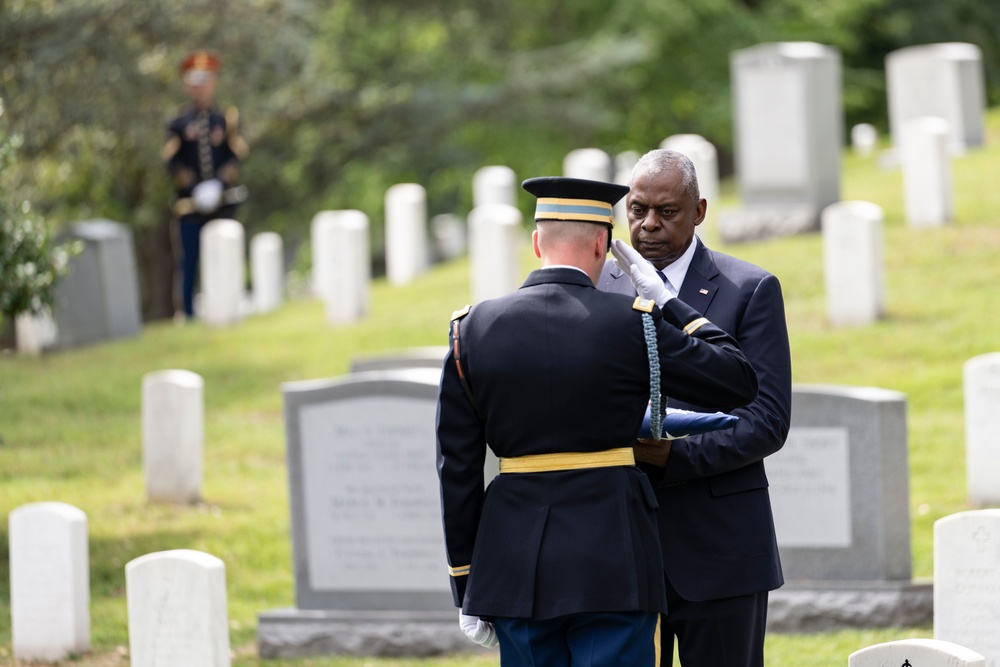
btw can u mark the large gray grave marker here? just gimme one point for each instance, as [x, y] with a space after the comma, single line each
[982, 428]
[916, 653]
[840, 495]
[840, 486]
[49, 581]
[99, 299]
[967, 581]
[941, 80]
[370, 565]
[788, 126]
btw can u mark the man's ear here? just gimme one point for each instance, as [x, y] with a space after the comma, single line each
[700, 210]
[534, 244]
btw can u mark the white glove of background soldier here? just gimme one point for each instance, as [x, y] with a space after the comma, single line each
[478, 630]
[207, 196]
[645, 278]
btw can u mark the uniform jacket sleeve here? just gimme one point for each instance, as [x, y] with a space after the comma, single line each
[461, 455]
[703, 364]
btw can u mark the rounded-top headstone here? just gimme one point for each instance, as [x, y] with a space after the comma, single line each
[494, 185]
[916, 653]
[177, 611]
[405, 232]
[49, 581]
[591, 164]
[173, 425]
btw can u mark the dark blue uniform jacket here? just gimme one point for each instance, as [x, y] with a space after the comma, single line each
[559, 366]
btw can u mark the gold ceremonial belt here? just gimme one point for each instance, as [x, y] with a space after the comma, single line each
[622, 456]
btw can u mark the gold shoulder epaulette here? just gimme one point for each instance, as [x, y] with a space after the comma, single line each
[459, 314]
[644, 305]
[695, 325]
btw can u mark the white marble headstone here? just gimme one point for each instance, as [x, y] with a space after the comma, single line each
[450, 236]
[347, 296]
[853, 263]
[322, 242]
[177, 613]
[942, 80]
[494, 185]
[967, 581]
[267, 271]
[223, 272]
[706, 163]
[49, 581]
[624, 163]
[495, 241]
[173, 434]
[916, 653]
[927, 181]
[864, 136]
[405, 232]
[591, 164]
[982, 429]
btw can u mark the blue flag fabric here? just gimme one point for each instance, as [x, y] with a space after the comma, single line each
[679, 424]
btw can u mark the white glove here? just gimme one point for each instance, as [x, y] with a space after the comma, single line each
[478, 630]
[207, 195]
[644, 277]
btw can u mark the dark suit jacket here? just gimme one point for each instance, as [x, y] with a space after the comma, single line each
[716, 527]
[558, 366]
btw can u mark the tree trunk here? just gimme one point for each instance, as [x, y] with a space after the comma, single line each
[155, 259]
[8, 333]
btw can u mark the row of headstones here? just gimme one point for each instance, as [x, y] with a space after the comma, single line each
[177, 611]
[341, 274]
[788, 127]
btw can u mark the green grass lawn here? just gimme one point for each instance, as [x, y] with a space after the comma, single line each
[70, 426]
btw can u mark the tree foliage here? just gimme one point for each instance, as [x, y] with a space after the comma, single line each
[30, 262]
[342, 98]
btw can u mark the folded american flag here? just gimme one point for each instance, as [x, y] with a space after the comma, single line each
[679, 424]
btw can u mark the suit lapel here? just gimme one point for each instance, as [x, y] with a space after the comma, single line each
[698, 289]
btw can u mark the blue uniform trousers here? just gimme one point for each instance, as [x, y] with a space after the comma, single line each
[187, 260]
[623, 639]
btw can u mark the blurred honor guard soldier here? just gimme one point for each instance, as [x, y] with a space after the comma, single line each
[203, 152]
[559, 561]
[719, 547]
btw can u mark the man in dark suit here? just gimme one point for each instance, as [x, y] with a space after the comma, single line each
[716, 527]
[561, 553]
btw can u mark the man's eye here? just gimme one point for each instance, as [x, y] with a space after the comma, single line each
[638, 210]
[665, 212]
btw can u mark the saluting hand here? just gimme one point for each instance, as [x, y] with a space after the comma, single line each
[646, 280]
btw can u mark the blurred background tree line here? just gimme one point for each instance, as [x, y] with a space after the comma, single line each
[340, 99]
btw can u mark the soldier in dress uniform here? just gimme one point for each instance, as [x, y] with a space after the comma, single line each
[559, 560]
[203, 152]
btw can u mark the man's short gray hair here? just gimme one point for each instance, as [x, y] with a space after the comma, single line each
[661, 160]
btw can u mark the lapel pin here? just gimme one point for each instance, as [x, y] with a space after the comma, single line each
[703, 291]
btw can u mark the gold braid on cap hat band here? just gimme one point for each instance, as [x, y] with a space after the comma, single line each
[584, 210]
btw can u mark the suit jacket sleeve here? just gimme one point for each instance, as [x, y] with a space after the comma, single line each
[763, 425]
